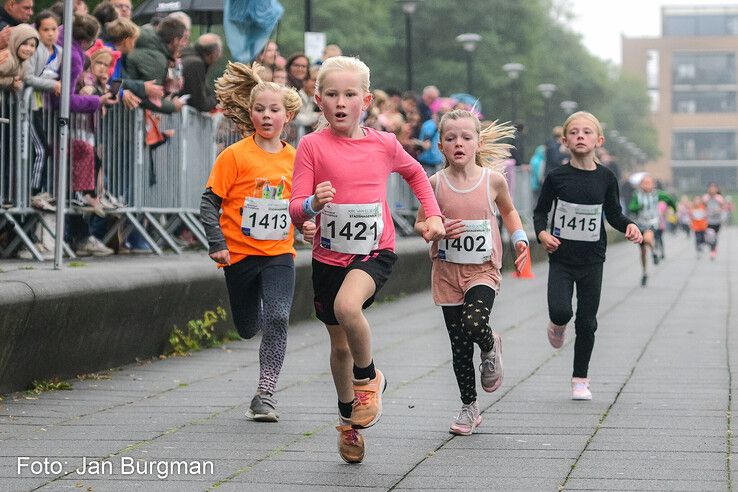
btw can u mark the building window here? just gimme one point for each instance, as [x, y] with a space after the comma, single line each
[703, 68]
[694, 179]
[701, 25]
[703, 146]
[703, 102]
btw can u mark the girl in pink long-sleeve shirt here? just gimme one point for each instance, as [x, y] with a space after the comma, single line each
[340, 178]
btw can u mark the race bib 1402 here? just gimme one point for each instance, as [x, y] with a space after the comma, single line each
[474, 246]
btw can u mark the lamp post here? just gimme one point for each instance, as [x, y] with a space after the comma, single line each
[568, 106]
[546, 91]
[408, 8]
[308, 16]
[469, 42]
[513, 71]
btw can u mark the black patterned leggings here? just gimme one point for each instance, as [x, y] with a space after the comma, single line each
[468, 324]
[260, 289]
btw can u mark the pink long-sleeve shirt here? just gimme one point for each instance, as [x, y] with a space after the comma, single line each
[358, 169]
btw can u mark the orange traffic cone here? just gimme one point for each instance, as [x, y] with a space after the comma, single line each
[527, 272]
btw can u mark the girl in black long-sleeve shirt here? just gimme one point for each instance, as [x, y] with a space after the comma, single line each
[581, 194]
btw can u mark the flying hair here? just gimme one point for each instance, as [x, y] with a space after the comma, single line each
[237, 88]
[491, 151]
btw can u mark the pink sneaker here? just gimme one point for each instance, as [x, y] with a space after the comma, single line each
[580, 389]
[491, 367]
[556, 334]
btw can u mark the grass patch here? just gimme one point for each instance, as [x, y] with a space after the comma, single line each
[199, 334]
[76, 264]
[37, 387]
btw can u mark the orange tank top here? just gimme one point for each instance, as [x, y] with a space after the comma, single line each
[475, 203]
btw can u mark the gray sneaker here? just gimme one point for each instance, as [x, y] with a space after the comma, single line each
[263, 409]
[491, 367]
[467, 420]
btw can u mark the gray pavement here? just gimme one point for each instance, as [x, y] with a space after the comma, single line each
[660, 418]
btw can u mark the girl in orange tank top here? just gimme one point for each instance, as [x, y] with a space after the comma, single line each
[467, 261]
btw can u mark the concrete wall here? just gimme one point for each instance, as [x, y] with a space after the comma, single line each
[113, 312]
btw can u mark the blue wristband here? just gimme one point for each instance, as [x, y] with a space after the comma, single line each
[307, 206]
[519, 235]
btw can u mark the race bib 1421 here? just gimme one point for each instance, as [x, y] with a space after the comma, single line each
[351, 228]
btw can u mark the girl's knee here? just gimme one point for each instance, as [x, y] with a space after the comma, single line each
[246, 328]
[560, 316]
[346, 310]
[276, 322]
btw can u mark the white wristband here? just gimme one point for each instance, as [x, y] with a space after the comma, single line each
[519, 235]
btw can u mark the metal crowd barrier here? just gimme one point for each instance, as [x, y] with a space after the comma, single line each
[158, 191]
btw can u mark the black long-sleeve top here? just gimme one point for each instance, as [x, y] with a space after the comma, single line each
[573, 185]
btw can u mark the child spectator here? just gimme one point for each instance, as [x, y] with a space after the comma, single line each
[44, 68]
[21, 47]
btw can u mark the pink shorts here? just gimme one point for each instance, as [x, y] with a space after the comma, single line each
[450, 281]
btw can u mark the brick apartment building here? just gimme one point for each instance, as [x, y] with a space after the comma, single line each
[691, 76]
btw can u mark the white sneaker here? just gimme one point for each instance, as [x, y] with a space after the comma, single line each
[580, 389]
[93, 247]
[24, 254]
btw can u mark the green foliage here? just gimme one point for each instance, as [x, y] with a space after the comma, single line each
[199, 334]
[39, 386]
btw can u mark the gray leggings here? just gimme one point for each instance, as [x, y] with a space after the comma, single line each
[260, 289]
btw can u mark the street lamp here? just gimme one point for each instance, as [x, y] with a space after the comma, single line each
[308, 16]
[546, 91]
[568, 106]
[408, 8]
[513, 71]
[469, 42]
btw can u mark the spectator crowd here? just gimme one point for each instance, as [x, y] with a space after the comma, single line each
[113, 61]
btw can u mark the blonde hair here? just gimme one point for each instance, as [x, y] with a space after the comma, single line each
[237, 88]
[121, 29]
[589, 117]
[343, 64]
[491, 151]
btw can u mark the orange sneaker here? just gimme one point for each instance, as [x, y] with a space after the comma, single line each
[350, 444]
[368, 401]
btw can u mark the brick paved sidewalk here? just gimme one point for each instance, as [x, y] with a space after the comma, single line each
[660, 418]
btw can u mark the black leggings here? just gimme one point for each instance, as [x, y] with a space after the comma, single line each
[561, 281]
[468, 324]
[260, 289]
[716, 228]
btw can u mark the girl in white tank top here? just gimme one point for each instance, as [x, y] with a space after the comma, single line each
[467, 261]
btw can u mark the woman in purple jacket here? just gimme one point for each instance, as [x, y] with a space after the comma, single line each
[84, 32]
